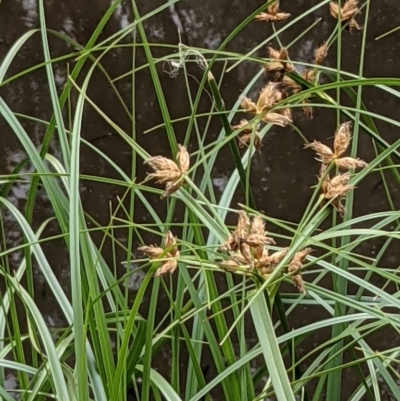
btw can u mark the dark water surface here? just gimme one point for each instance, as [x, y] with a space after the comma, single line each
[281, 174]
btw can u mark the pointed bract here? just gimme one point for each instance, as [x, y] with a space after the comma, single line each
[342, 138]
[321, 53]
[248, 105]
[350, 163]
[151, 251]
[183, 159]
[168, 267]
[324, 152]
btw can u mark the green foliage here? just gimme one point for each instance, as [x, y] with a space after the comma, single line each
[111, 342]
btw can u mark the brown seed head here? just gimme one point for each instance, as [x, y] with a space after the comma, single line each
[244, 126]
[165, 169]
[340, 179]
[346, 13]
[283, 56]
[230, 244]
[248, 105]
[257, 226]
[171, 187]
[277, 257]
[269, 262]
[276, 54]
[245, 140]
[269, 96]
[289, 87]
[299, 283]
[151, 251]
[272, 18]
[338, 191]
[273, 9]
[274, 71]
[324, 152]
[337, 187]
[242, 225]
[342, 138]
[349, 163]
[183, 159]
[338, 206]
[170, 244]
[309, 75]
[321, 53]
[353, 25]
[278, 119]
[301, 256]
[308, 111]
[258, 251]
[233, 266]
[259, 239]
[238, 258]
[245, 251]
[168, 267]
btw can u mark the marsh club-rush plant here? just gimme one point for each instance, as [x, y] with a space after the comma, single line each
[208, 313]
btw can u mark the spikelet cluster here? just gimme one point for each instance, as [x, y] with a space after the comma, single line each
[247, 246]
[168, 172]
[168, 255]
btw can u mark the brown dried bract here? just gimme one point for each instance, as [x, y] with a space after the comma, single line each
[320, 53]
[246, 137]
[309, 75]
[238, 235]
[342, 138]
[272, 14]
[324, 152]
[341, 143]
[257, 226]
[337, 186]
[151, 251]
[308, 110]
[170, 252]
[295, 267]
[346, 13]
[334, 190]
[349, 163]
[248, 240]
[288, 87]
[271, 261]
[168, 172]
[276, 69]
[248, 105]
[269, 96]
[168, 267]
[234, 267]
[245, 252]
[245, 140]
[278, 119]
[183, 159]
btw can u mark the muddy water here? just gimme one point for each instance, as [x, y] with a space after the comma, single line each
[282, 172]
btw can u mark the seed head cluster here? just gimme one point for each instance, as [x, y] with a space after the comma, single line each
[334, 190]
[247, 246]
[168, 172]
[346, 13]
[273, 14]
[168, 255]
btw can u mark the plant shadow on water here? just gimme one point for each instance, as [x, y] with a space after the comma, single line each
[281, 181]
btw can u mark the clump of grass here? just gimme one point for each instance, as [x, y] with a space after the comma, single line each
[205, 284]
